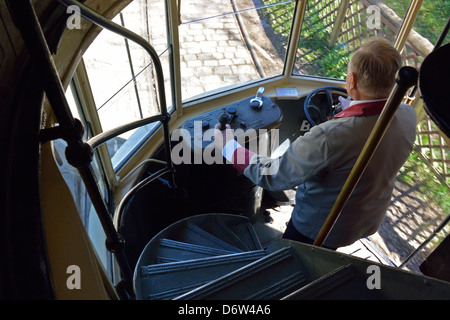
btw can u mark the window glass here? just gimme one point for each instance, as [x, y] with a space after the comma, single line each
[427, 168]
[427, 28]
[231, 42]
[332, 30]
[77, 187]
[430, 143]
[122, 76]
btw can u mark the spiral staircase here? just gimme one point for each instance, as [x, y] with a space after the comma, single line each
[220, 257]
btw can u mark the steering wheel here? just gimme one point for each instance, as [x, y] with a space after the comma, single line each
[316, 109]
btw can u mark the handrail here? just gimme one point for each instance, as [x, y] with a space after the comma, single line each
[163, 117]
[105, 23]
[406, 78]
[78, 153]
[122, 204]
[101, 138]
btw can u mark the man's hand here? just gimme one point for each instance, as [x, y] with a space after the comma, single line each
[344, 103]
[222, 137]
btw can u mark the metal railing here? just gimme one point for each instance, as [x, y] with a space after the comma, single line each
[78, 152]
[163, 117]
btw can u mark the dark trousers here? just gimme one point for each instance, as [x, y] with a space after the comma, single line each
[291, 233]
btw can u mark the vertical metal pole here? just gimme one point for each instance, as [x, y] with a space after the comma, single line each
[407, 25]
[173, 20]
[294, 37]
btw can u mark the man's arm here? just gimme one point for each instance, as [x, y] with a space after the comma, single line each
[304, 158]
[237, 155]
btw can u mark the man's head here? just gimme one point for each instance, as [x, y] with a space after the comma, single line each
[372, 69]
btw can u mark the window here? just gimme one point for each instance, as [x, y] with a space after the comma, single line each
[76, 185]
[115, 84]
[122, 77]
[427, 28]
[231, 42]
[332, 30]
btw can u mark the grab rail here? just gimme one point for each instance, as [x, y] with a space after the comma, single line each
[97, 140]
[164, 117]
[79, 153]
[103, 137]
[105, 23]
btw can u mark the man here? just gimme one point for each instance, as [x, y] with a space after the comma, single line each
[319, 162]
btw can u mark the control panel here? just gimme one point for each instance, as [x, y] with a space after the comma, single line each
[256, 112]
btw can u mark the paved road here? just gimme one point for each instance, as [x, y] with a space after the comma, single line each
[213, 54]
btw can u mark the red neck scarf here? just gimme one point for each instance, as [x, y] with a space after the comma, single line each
[362, 109]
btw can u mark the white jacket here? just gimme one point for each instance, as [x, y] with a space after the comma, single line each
[319, 163]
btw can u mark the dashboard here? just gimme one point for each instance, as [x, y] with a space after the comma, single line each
[252, 113]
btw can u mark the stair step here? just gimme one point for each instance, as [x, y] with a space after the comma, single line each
[168, 279]
[247, 234]
[170, 294]
[270, 277]
[220, 229]
[341, 283]
[194, 234]
[240, 235]
[172, 251]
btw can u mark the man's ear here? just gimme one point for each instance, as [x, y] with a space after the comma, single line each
[351, 84]
[351, 81]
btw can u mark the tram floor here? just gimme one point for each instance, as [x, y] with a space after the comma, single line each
[271, 225]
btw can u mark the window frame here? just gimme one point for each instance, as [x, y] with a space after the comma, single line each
[81, 93]
[179, 106]
[86, 105]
